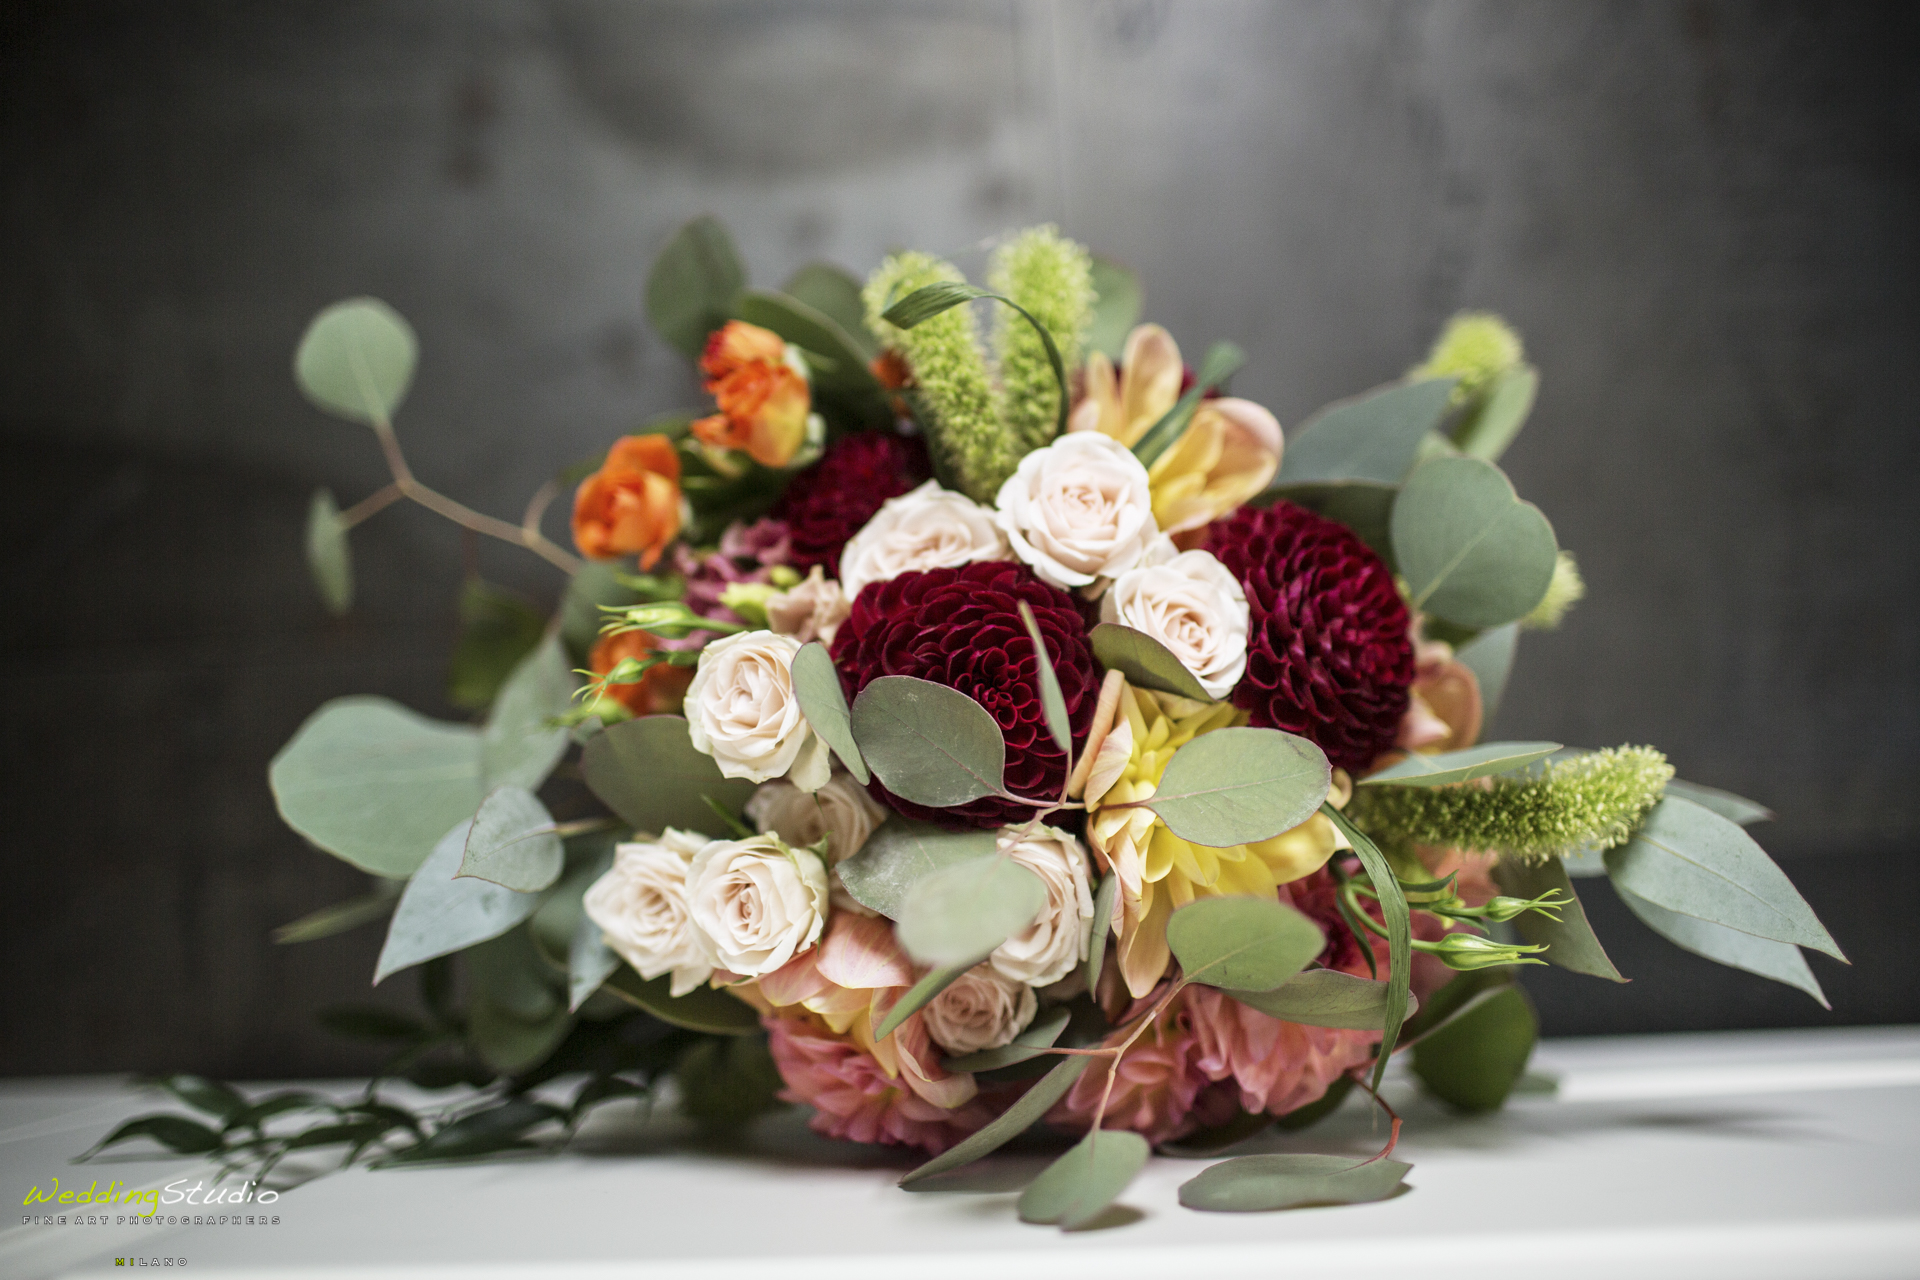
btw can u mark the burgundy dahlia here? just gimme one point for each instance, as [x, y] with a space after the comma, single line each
[828, 502]
[962, 628]
[1328, 655]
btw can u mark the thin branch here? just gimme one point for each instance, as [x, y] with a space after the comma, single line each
[371, 505]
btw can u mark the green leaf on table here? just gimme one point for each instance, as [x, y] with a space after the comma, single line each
[342, 916]
[963, 912]
[1116, 307]
[1242, 943]
[1364, 506]
[482, 1133]
[1104, 899]
[512, 842]
[204, 1095]
[1471, 551]
[1780, 961]
[176, 1133]
[1009, 1124]
[1735, 809]
[1255, 1184]
[515, 1018]
[1374, 436]
[356, 360]
[1030, 1043]
[497, 631]
[1323, 998]
[439, 915]
[1144, 661]
[900, 853]
[1058, 726]
[921, 994]
[1399, 921]
[1502, 411]
[1474, 1062]
[374, 784]
[1689, 859]
[1078, 1187]
[693, 284]
[521, 744]
[329, 558]
[928, 744]
[1489, 656]
[1483, 761]
[835, 294]
[1569, 941]
[1237, 786]
[648, 772]
[702, 1009]
[816, 685]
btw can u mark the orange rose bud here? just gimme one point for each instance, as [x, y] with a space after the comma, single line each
[658, 692]
[631, 505]
[763, 400]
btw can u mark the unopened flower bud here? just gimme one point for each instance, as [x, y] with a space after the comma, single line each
[1469, 951]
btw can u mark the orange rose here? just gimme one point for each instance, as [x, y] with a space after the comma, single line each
[660, 691]
[631, 505]
[763, 400]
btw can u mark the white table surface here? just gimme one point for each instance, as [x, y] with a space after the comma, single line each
[1749, 1155]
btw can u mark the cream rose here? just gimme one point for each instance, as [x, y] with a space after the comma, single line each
[1048, 949]
[813, 610]
[1078, 510]
[1191, 603]
[841, 811]
[929, 528]
[640, 905]
[980, 1009]
[757, 902]
[742, 712]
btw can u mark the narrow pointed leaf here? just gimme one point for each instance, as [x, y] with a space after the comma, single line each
[1223, 359]
[928, 744]
[1373, 437]
[648, 772]
[328, 556]
[1255, 1184]
[1489, 656]
[439, 915]
[1238, 786]
[356, 360]
[1030, 1043]
[1399, 921]
[521, 744]
[1078, 1187]
[928, 301]
[590, 962]
[342, 916]
[1483, 761]
[836, 295]
[702, 1009]
[1324, 998]
[921, 993]
[967, 910]
[1058, 727]
[1104, 899]
[175, 1133]
[1780, 961]
[513, 842]
[1242, 943]
[1471, 551]
[902, 852]
[1144, 661]
[1009, 1124]
[817, 687]
[1569, 941]
[1735, 809]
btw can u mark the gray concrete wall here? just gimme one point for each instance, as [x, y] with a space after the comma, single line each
[1702, 216]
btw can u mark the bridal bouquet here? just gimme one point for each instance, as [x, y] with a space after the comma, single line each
[962, 733]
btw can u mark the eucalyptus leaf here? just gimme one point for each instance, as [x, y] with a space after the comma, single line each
[702, 1009]
[928, 744]
[1364, 506]
[1324, 998]
[1078, 1187]
[1735, 809]
[1242, 943]
[588, 857]
[497, 631]
[521, 743]
[816, 335]
[693, 284]
[1144, 661]
[1058, 726]
[372, 783]
[1030, 1043]
[590, 961]
[1474, 1062]
[900, 853]
[647, 771]
[439, 914]
[963, 912]
[816, 685]
[1484, 761]
[921, 993]
[1009, 1124]
[1374, 436]
[1116, 307]
[1689, 859]
[1399, 921]
[836, 295]
[356, 360]
[1780, 961]
[1471, 551]
[1460, 996]
[512, 842]
[1255, 1184]
[1104, 899]
[1489, 656]
[1569, 941]
[1238, 785]
[514, 1017]
[329, 558]
[1502, 411]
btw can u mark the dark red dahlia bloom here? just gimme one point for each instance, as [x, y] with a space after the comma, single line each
[828, 502]
[961, 628]
[1328, 655]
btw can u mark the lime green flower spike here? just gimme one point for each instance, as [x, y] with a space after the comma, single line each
[1052, 277]
[1475, 347]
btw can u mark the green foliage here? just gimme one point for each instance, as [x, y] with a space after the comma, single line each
[1116, 308]
[1475, 347]
[1077, 1188]
[1474, 1062]
[1008, 1125]
[1144, 661]
[512, 842]
[329, 558]
[961, 913]
[1254, 1184]
[1594, 799]
[1323, 998]
[648, 772]
[515, 1015]
[597, 586]
[1566, 589]
[693, 284]
[1364, 506]
[1058, 727]
[1733, 808]
[1483, 761]
[702, 1009]
[836, 295]
[1569, 940]
[521, 741]
[921, 993]
[497, 631]
[816, 686]
[1104, 899]
[1780, 961]
[1471, 551]
[1489, 656]
[1223, 359]
[356, 360]
[439, 914]
[929, 744]
[343, 916]
[972, 448]
[1399, 920]
[726, 1082]
[1239, 785]
[900, 853]
[1242, 943]
[1489, 425]
[1051, 278]
[1373, 437]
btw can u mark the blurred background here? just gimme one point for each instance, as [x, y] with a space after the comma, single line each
[1704, 217]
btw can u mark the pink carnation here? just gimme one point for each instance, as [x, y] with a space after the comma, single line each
[1277, 1066]
[1160, 1079]
[852, 1097]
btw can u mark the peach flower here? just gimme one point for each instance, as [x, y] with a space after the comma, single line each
[1277, 1066]
[631, 505]
[1444, 711]
[761, 388]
